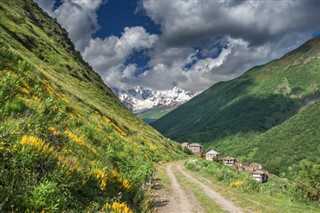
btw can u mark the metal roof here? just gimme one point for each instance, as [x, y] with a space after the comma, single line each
[258, 172]
[212, 152]
[194, 144]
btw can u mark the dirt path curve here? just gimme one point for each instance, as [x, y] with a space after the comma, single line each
[179, 200]
[216, 197]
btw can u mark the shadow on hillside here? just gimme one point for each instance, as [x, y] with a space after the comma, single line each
[249, 114]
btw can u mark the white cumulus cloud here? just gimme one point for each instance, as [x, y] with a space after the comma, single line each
[109, 55]
[201, 42]
[79, 18]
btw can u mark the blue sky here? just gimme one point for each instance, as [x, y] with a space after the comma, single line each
[115, 15]
[152, 43]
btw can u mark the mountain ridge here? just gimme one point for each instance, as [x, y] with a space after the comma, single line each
[231, 116]
[140, 100]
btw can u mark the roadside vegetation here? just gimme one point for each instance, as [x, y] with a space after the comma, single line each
[276, 195]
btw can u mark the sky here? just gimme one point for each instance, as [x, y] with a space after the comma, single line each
[192, 43]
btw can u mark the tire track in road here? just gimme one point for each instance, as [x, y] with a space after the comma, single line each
[180, 200]
[216, 197]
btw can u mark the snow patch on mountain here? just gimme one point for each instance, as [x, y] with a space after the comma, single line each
[141, 99]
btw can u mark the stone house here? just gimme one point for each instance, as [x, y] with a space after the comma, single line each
[260, 176]
[229, 161]
[195, 148]
[211, 155]
[185, 144]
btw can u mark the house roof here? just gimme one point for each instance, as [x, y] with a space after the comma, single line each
[229, 158]
[258, 172]
[194, 144]
[212, 152]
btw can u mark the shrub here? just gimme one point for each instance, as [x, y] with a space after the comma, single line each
[17, 105]
[307, 182]
[45, 196]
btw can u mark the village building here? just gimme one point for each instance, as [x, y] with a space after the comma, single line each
[195, 148]
[238, 166]
[252, 167]
[185, 144]
[212, 155]
[260, 176]
[229, 161]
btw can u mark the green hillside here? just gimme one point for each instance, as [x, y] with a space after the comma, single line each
[66, 142]
[152, 115]
[267, 114]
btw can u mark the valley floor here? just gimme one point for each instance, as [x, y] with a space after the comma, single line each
[178, 190]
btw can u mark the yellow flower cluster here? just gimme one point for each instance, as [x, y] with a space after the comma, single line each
[2, 147]
[5, 72]
[102, 176]
[35, 98]
[118, 208]
[100, 128]
[25, 91]
[49, 89]
[107, 120]
[236, 184]
[115, 174]
[53, 131]
[118, 129]
[80, 141]
[97, 113]
[37, 143]
[126, 185]
[152, 146]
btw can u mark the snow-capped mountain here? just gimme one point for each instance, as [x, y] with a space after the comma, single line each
[140, 99]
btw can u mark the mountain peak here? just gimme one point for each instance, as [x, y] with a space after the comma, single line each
[140, 99]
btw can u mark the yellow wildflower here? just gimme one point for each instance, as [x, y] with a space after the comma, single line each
[102, 176]
[107, 206]
[37, 143]
[80, 141]
[1, 146]
[115, 174]
[126, 185]
[107, 120]
[53, 131]
[236, 184]
[25, 91]
[49, 89]
[121, 208]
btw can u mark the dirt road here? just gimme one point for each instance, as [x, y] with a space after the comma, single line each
[177, 199]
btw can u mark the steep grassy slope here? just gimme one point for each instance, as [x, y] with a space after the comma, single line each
[66, 142]
[232, 116]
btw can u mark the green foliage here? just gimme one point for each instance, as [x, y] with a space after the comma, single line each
[67, 144]
[307, 182]
[304, 188]
[17, 105]
[45, 196]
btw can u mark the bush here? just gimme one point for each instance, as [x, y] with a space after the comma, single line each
[307, 182]
[17, 105]
[44, 196]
